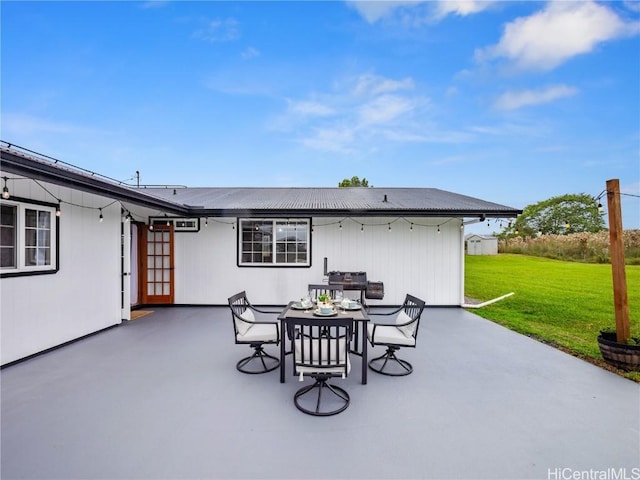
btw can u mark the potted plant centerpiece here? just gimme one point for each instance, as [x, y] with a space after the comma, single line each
[324, 300]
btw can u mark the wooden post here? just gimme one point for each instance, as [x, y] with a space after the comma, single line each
[616, 245]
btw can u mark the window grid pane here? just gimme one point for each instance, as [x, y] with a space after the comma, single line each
[8, 219]
[259, 239]
[37, 234]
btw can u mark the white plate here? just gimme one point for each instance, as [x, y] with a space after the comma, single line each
[357, 307]
[320, 314]
[299, 306]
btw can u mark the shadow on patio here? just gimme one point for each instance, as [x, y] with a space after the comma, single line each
[159, 397]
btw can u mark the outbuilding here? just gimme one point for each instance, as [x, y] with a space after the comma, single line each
[482, 245]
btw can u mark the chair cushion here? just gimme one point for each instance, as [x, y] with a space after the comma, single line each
[389, 335]
[408, 330]
[243, 327]
[261, 332]
[317, 355]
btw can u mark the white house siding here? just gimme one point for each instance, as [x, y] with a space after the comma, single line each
[419, 261]
[42, 311]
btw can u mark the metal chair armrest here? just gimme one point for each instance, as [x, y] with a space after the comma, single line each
[397, 310]
[277, 312]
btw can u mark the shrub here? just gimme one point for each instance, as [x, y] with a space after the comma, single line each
[580, 247]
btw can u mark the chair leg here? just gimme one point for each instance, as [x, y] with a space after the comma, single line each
[390, 356]
[320, 385]
[266, 362]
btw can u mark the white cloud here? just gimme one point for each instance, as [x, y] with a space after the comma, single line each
[219, 30]
[460, 7]
[154, 4]
[374, 10]
[369, 84]
[524, 98]
[559, 32]
[383, 109]
[361, 114]
[415, 11]
[335, 139]
[310, 108]
[249, 53]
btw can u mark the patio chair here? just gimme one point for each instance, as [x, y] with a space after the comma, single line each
[401, 333]
[321, 351]
[248, 330]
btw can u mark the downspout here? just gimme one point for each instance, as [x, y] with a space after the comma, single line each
[488, 302]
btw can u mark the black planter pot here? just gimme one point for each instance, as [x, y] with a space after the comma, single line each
[620, 355]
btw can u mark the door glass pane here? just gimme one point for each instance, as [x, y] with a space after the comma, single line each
[44, 219]
[30, 218]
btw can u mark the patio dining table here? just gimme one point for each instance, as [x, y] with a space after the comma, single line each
[359, 317]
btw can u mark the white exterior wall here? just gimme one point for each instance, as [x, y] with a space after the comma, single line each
[38, 312]
[421, 261]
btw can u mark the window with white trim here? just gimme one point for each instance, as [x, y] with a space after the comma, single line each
[274, 242]
[28, 235]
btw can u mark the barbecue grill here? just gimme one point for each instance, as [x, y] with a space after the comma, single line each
[357, 281]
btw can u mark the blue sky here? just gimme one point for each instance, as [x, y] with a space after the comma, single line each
[511, 102]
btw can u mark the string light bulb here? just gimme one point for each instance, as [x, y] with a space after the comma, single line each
[389, 227]
[438, 231]
[600, 208]
[58, 212]
[361, 227]
[101, 217]
[411, 227]
[5, 189]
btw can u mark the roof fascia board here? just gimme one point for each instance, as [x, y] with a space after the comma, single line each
[38, 170]
[271, 213]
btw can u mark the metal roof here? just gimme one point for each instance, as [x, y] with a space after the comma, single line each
[264, 202]
[378, 201]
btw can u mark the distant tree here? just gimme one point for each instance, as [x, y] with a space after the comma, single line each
[560, 215]
[354, 182]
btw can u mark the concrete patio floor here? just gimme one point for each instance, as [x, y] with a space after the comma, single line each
[159, 397]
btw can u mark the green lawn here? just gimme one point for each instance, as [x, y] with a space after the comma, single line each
[562, 303]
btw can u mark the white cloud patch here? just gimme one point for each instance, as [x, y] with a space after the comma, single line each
[369, 84]
[219, 30]
[461, 8]
[383, 109]
[554, 35]
[525, 98]
[415, 12]
[310, 108]
[374, 10]
[249, 53]
[362, 114]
